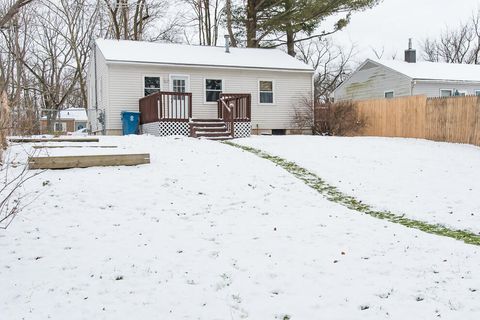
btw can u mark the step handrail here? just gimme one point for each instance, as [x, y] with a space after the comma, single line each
[229, 111]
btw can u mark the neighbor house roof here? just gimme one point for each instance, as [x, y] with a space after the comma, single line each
[77, 114]
[180, 54]
[434, 70]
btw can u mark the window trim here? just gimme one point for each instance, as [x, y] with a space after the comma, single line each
[451, 93]
[170, 81]
[205, 88]
[477, 92]
[388, 91]
[151, 76]
[460, 92]
[273, 93]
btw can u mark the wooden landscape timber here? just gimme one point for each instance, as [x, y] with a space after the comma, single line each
[67, 146]
[69, 162]
[35, 140]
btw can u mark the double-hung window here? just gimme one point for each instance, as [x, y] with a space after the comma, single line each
[151, 85]
[213, 89]
[265, 89]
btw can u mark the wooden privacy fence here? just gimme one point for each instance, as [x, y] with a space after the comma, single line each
[453, 119]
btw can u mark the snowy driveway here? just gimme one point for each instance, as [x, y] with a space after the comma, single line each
[207, 231]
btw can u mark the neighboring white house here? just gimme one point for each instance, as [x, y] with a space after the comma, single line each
[387, 79]
[67, 120]
[122, 72]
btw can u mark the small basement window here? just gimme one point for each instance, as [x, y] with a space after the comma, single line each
[279, 132]
[446, 93]
[389, 94]
[213, 89]
[265, 89]
[151, 85]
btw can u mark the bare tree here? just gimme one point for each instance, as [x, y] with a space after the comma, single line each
[80, 18]
[140, 20]
[331, 63]
[206, 16]
[456, 45]
[7, 14]
[11, 11]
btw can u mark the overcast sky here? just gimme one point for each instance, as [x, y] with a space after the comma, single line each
[391, 23]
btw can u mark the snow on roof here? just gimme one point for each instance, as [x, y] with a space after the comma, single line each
[77, 114]
[435, 70]
[169, 53]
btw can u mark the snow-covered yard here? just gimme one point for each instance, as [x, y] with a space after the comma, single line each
[425, 180]
[207, 231]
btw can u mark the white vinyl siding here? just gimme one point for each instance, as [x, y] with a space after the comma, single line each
[371, 82]
[101, 86]
[432, 88]
[290, 88]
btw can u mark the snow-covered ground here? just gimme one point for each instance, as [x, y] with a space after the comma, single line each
[207, 231]
[425, 180]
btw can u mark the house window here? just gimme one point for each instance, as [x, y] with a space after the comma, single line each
[151, 85]
[265, 91]
[477, 93]
[59, 126]
[460, 93]
[446, 93]
[389, 94]
[213, 89]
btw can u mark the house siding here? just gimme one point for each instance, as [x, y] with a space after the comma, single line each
[125, 88]
[432, 88]
[102, 86]
[372, 83]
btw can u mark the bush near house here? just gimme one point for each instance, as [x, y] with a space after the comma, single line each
[338, 119]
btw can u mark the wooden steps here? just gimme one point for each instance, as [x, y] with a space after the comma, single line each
[212, 129]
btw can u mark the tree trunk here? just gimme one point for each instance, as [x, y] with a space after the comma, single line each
[290, 40]
[251, 24]
[228, 12]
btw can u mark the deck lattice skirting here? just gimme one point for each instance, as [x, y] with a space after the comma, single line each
[242, 129]
[166, 128]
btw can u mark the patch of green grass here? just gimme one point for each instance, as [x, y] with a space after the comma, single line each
[333, 194]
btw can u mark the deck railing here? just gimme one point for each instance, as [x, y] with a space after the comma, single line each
[166, 106]
[240, 104]
[226, 112]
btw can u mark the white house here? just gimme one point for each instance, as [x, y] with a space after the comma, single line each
[179, 86]
[67, 120]
[387, 79]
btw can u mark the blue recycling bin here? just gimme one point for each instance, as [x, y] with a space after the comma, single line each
[130, 122]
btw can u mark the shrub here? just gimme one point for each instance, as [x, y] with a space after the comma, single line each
[338, 119]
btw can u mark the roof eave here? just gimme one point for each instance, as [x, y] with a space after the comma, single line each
[445, 80]
[207, 66]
